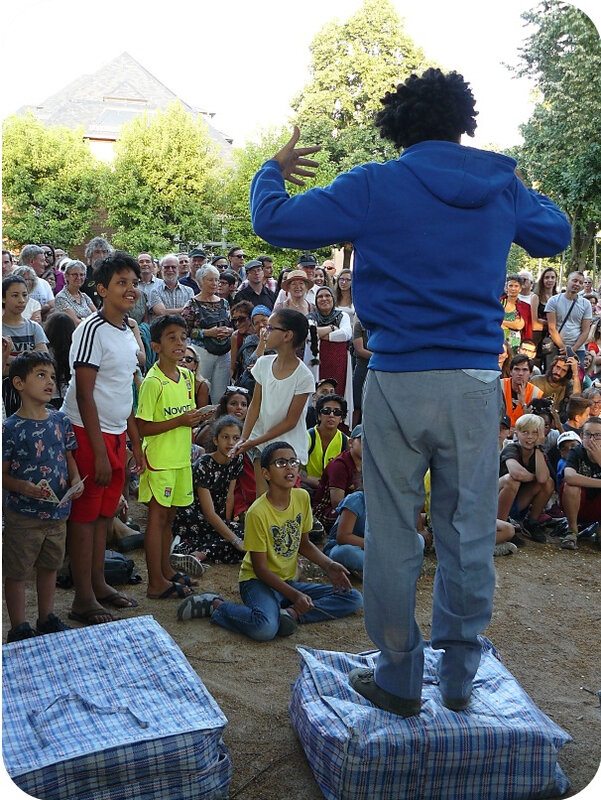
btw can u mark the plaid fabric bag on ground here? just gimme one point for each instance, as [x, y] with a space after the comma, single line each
[503, 747]
[110, 712]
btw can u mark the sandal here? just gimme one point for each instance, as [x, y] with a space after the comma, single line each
[200, 605]
[181, 578]
[569, 542]
[118, 600]
[175, 589]
[94, 616]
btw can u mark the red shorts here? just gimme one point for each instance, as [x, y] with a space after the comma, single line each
[590, 504]
[98, 501]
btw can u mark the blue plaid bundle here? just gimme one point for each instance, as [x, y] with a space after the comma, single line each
[503, 747]
[110, 712]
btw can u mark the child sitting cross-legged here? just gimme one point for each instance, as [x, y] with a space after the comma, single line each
[277, 530]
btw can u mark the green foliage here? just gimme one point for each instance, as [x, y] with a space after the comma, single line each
[562, 140]
[50, 184]
[353, 64]
[163, 183]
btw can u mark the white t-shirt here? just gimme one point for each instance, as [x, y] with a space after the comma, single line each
[560, 305]
[112, 351]
[276, 396]
[42, 291]
[31, 307]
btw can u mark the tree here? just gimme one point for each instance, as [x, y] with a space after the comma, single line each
[163, 182]
[50, 184]
[562, 139]
[353, 64]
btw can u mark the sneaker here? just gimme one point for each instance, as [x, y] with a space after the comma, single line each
[188, 564]
[52, 625]
[317, 533]
[21, 632]
[532, 530]
[590, 531]
[505, 549]
[555, 511]
[288, 624]
[560, 527]
[362, 681]
[517, 541]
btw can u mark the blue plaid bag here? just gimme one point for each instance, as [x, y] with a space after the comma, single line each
[503, 747]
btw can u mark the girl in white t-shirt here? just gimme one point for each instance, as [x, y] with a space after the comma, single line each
[283, 386]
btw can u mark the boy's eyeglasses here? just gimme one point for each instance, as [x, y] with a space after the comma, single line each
[280, 463]
[269, 328]
[337, 412]
[596, 437]
[237, 389]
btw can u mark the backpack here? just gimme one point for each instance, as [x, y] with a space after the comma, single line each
[119, 569]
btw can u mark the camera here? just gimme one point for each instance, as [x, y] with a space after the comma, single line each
[541, 404]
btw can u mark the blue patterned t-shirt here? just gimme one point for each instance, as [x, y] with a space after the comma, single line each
[37, 449]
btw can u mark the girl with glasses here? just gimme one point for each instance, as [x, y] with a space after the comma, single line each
[344, 295]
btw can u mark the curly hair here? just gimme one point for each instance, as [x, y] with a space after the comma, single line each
[433, 106]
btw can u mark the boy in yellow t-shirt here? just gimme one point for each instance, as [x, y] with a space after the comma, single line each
[277, 530]
[165, 416]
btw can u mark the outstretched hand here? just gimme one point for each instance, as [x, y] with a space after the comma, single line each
[293, 162]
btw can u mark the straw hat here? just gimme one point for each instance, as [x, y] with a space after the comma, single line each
[296, 274]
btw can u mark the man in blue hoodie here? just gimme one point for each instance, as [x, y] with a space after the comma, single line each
[448, 214]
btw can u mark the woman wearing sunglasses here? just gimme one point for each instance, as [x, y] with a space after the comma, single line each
[325, 440]
[191, 361]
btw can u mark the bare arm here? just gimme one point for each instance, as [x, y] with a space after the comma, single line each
[346, 524]
[573, 478]
[214, 520]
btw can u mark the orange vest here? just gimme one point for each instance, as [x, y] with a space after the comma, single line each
[515, 413]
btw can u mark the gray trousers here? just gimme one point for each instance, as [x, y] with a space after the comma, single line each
[445, 420]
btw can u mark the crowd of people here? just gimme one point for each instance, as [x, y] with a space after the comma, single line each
[204, 335]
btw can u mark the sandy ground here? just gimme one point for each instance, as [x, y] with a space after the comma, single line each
[546, 626]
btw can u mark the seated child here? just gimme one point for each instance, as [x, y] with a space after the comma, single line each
[36, 445]
[341, 477]
[205, 529]
[565, 443]
[581, 491]
[525, 483]
[277, 528]
[578, 411]
[325, 440]
[346, 542]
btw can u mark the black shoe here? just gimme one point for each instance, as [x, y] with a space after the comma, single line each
[362, 681]
[517, 541]
[21, 632]
[456, 703]
[534, 531]
[52, 625]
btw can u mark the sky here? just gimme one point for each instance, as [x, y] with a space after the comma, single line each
[245, 61]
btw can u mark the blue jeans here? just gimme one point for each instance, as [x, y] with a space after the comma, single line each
[259, 617]
[350, 555]
[446, 420]
[216, 369]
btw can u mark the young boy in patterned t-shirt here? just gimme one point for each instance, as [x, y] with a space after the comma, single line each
[37, 469]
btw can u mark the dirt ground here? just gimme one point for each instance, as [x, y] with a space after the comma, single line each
[546, 626]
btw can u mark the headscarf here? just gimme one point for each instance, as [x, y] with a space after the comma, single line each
[333, 318]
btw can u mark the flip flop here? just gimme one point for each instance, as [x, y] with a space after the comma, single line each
[112, 601]
[87, 617]
[183, 579]
[177, 590]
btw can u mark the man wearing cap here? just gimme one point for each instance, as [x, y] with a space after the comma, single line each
[197, 258]
[256, 291]
[396, 214]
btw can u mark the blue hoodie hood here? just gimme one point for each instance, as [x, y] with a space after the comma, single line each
[459, 176]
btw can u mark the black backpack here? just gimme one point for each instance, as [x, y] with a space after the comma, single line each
[119, 569]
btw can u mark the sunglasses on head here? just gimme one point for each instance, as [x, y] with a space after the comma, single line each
[236, 389]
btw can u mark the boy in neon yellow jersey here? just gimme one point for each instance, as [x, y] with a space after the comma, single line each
[166, 414]
[326, 440]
